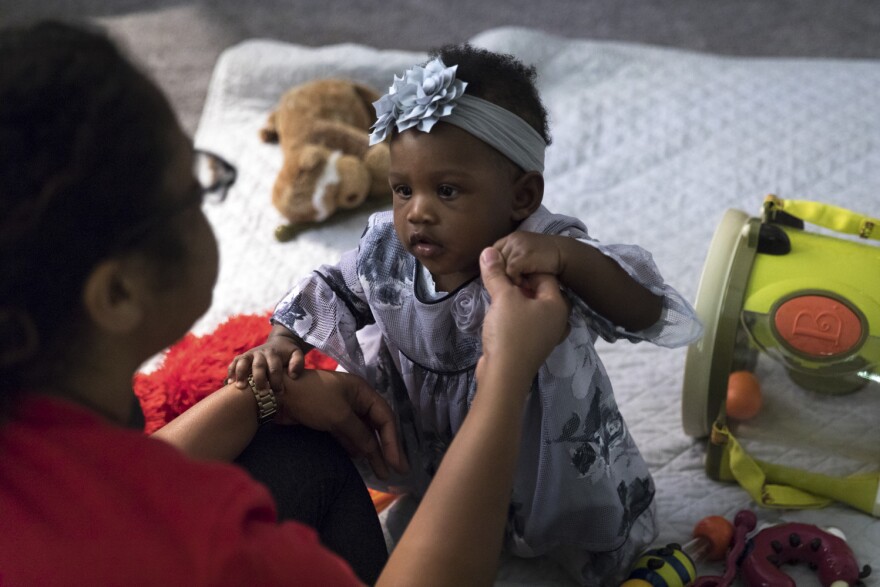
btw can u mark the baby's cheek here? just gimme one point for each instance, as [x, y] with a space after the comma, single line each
[399, 223]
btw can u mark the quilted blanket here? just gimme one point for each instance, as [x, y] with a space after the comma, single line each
[650, 146]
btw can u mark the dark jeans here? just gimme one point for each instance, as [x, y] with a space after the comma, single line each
[314, 482]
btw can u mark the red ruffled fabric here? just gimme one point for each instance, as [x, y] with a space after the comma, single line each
[196, 366]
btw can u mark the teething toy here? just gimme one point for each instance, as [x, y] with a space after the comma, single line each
[674, 565]
[760, 557]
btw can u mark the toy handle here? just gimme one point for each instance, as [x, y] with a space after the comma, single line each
[825, 215]
[772, 485]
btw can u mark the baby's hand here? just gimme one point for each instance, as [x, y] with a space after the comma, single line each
[527, 253]
[267, 363]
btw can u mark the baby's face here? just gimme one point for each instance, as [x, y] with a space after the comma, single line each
[453, 196]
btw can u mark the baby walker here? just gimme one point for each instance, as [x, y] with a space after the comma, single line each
[808, 300]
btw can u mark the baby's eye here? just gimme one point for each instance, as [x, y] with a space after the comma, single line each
[402, 191]
[446, 191]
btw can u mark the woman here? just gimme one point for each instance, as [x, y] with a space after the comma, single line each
[107, 258]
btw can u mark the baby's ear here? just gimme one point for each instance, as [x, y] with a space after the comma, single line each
[528, 193]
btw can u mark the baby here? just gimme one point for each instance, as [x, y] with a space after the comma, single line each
[404, 310]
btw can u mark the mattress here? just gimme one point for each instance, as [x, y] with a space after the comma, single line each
[650, 146]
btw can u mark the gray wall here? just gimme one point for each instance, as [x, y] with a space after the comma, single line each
[179, 41]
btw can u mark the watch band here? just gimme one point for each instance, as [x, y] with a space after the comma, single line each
[267, 403]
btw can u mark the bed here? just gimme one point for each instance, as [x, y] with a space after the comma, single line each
[650, 146]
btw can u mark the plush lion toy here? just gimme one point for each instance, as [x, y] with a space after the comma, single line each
[323, 127]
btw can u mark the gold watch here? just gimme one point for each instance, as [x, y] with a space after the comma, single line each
[267, 403]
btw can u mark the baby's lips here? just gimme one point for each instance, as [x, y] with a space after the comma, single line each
[419, 238]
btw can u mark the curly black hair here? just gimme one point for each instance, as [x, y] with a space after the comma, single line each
[84, 141]
[499, 78]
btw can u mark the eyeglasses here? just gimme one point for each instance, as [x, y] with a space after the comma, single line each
[214, 176]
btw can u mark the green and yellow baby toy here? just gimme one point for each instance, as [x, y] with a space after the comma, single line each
[810, 300]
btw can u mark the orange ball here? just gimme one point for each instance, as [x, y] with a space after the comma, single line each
[718, 531]
[743, 395]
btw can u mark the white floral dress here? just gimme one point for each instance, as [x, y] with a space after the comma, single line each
[582, 491]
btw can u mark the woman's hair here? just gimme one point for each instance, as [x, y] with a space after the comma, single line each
[84, 145]
[498, 78]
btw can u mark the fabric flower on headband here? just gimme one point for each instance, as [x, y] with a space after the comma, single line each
[418, 99]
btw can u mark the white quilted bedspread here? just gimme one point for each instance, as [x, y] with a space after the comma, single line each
[650, 146]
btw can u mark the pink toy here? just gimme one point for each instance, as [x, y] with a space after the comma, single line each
[759, 558]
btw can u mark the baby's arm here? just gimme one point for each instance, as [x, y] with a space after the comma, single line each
[267, 362]
[593, 276]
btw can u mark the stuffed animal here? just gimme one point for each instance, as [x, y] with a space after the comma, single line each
[323, 127]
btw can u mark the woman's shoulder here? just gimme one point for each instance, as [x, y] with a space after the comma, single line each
[86, 461]
[108, 497]
[119, 507]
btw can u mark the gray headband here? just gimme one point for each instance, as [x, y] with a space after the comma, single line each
[424, 95]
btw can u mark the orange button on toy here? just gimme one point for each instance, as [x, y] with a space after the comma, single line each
[818, 326]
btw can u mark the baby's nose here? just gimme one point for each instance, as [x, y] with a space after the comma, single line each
[420, 209]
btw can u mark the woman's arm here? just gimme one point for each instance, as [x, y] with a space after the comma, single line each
[456, 534]
[218, 427]
[221, 425]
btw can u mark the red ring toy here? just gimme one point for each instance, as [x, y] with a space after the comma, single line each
[759, 559]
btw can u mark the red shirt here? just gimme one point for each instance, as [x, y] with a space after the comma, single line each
[86, 503]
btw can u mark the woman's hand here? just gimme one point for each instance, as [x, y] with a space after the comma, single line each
[524, 322]
[345, 406]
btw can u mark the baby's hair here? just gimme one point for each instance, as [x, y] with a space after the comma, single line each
[499, 78]
[84, 145]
